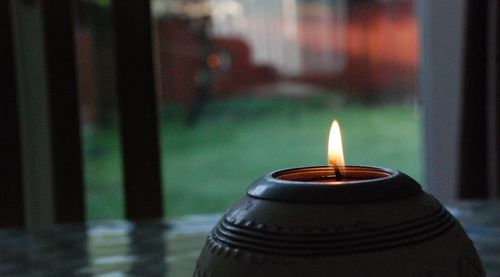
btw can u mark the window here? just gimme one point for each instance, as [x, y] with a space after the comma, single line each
[250, 87]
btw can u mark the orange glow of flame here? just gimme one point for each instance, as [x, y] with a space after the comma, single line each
[335, 151]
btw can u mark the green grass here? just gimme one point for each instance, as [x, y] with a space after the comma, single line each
[103, 174]
[207, 167]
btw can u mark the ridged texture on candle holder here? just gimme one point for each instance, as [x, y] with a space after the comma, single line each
[307, 241]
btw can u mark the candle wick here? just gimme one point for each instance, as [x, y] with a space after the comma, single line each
[338, 175]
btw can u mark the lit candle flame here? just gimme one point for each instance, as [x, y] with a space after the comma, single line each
[335, 152]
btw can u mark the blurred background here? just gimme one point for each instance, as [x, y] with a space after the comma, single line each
[162, 112]
[248, 87]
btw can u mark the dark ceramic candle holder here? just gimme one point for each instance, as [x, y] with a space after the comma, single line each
[375, 222]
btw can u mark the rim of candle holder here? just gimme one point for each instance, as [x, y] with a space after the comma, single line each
[309, 185]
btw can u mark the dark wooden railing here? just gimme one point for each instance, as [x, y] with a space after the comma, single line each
[136, 92]
[11, 185]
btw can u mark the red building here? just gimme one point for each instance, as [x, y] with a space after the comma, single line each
[373, 48]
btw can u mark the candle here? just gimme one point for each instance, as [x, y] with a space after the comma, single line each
[337, 220]
[351, 184]
[337, 173]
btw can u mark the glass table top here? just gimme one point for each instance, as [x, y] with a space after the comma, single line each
[158, 248]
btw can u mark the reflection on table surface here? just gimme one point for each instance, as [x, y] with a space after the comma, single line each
[116, 248]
